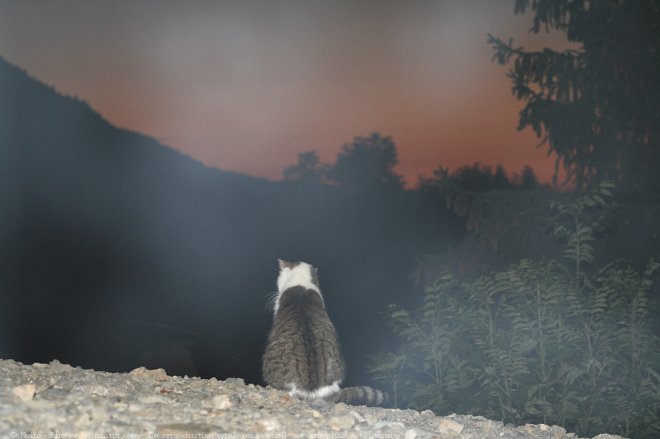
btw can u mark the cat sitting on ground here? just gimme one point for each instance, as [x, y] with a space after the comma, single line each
[303, 355]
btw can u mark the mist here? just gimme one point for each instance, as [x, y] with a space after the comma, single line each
[120, 251]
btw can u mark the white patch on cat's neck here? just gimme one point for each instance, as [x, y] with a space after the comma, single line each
[298, 275]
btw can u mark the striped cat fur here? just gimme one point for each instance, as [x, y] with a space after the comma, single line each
[302, 354]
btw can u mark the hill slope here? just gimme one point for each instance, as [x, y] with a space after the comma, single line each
[116, 250]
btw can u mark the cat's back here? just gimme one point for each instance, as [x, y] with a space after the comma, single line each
[300, 302]
[302, 349]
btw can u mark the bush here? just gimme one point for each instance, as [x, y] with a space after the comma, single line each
[551, 341]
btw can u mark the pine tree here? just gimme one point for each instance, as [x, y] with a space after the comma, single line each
[598, 107]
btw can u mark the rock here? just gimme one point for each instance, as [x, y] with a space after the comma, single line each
[320, 405]
[358, 417]
[155, 399]
[446, 426]
[314, 413]
[221, 402]
[24, 392]
[93, 389]
[427, 414]
[269, 424]
[90, 416]
[61, 367]
[341, 422]
[53, 394]
[558, 431]
[389, 425]
[156, 374]
[184, 429]
[370, 417]
[428, 434]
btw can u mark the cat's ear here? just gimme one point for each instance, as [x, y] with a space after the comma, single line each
[315, 276]
[283, 264]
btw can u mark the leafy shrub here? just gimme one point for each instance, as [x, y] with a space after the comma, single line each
[551, 341]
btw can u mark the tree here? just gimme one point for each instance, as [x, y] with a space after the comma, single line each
[367, 162]
[478, 178]
[597, 108]
[500, 180]
[309, 169]
[528, 179]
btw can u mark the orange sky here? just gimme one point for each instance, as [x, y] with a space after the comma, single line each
[245, 86]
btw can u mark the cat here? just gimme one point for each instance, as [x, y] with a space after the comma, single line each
[303, 354]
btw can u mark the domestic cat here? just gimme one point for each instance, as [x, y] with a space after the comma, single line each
[303, 354]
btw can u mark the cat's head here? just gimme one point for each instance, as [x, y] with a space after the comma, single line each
[293, 274]
[297, 273]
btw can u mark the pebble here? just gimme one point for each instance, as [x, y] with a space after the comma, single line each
[427, 413]
[156, 374]
[183, 429]
[358, 417]
[345, 422]
[389, 425]
[222, 402]
[154, 399]
[24, 392]
[315, 413]
[269, 424]
[446, 426]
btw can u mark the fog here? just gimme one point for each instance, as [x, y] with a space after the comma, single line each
[120, 251]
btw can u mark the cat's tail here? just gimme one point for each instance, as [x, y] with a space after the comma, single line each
[361, 395]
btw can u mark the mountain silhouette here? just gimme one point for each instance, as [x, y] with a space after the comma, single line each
[118, 251]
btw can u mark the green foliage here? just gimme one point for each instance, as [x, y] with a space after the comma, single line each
[502, 216]
[389, 367]
[597, 209]
[558, 341]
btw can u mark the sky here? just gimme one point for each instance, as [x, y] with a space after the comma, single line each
[247, 85]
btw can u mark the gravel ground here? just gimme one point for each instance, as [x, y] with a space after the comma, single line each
[51, 401]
